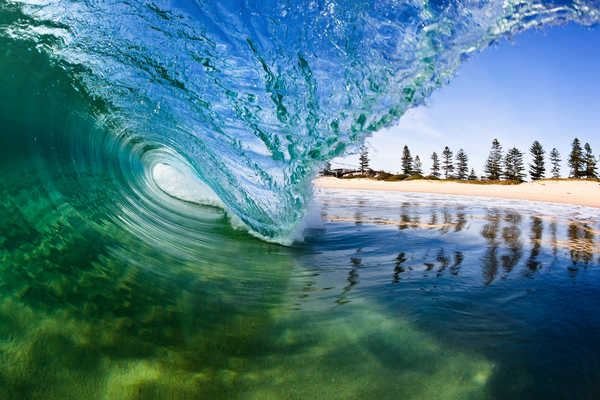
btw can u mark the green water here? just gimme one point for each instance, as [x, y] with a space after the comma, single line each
[83, 316]
[386, 298]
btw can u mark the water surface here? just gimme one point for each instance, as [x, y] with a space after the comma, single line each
[391, 295]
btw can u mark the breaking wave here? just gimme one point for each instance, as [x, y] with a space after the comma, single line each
[247, 97]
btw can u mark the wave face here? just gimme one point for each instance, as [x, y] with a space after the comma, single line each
[251, 96]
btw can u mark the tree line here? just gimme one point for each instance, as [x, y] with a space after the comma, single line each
[499, 165]
[511, 166]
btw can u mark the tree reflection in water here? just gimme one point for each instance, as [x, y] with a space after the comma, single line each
[554, 239]
[447, 221]
[461, 220]
[433, 221]
[582, 245]
[352, 279]
[358, 216]
[406, 219]
[459, 257]
[504, 247]
[512, 239]
[490, 233]
[399, 268]
[449, 240]
[533, 264]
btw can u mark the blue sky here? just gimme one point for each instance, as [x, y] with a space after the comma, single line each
[543, 86]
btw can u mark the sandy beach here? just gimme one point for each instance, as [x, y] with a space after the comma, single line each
[583, 193]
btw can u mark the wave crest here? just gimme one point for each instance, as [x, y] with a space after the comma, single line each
[254, 96]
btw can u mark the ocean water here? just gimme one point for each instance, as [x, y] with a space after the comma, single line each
[160, 237]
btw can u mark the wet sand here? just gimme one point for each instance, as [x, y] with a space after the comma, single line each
[583, 193]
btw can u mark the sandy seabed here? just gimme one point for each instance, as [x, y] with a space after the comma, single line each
[582, 193]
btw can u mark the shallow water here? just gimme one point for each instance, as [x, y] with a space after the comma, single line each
[391, 295]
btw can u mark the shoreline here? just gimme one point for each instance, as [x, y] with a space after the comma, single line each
[580, 193]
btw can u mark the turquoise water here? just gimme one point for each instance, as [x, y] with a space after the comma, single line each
[159, 236]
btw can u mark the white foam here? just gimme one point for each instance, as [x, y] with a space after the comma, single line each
[185, 186]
